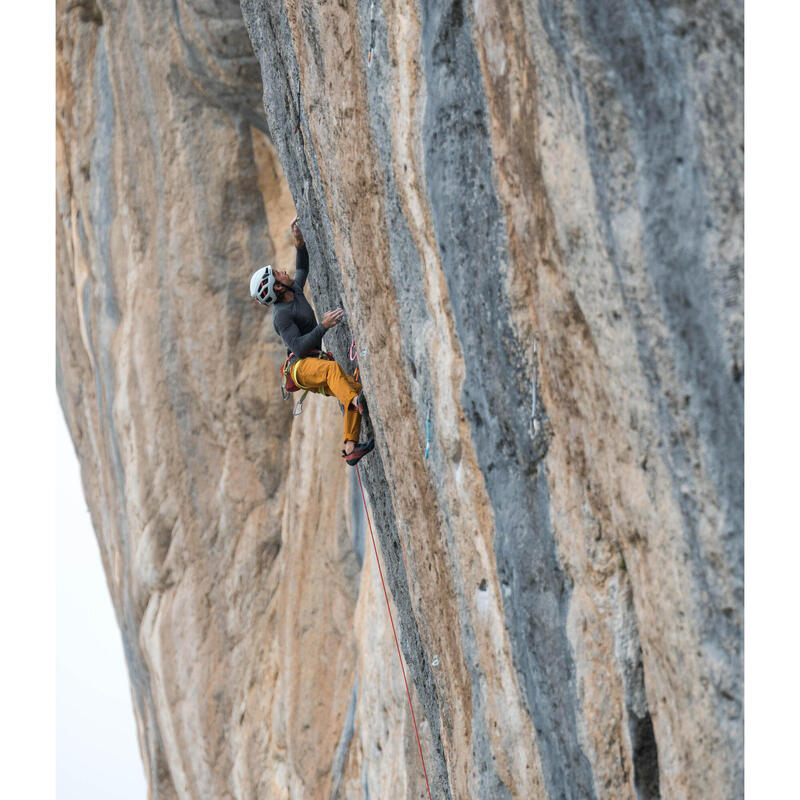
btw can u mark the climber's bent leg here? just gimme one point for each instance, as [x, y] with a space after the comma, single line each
[346, 389]
[317, 373]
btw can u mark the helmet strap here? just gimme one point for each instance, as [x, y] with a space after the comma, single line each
[280, 289]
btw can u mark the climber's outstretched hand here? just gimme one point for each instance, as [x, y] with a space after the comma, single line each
[298, 236]
[332, 318]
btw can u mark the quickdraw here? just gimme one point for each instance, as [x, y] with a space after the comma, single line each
[371, 33]
[298, 406]
[428, 436]
[354, 357]
[534, 382]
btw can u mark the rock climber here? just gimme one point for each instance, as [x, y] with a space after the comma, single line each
[295, 322]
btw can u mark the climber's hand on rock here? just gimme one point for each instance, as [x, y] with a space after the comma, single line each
[298, 236]
[332, 318]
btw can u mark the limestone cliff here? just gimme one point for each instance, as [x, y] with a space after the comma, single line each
[532, 216]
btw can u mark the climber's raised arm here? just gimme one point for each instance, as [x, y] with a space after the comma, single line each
[301, 257]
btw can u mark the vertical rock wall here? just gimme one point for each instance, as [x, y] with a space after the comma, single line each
[169, 193]
[482, 177]
[532, 215]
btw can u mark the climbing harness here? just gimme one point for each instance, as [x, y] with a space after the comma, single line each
[396, 643]
[289, 382]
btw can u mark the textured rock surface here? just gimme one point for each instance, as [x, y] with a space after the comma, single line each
[492, 173]
[167, 375]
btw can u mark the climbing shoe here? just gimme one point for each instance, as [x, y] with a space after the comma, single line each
[359, 451]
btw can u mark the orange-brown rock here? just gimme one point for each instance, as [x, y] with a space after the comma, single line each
[168, 193]
[532, 215]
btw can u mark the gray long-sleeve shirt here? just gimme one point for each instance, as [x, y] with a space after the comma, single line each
[295, 321]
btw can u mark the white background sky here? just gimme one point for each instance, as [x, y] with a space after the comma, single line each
[32, 426]
[97, 749]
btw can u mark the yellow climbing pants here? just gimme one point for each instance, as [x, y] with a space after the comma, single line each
[317, 373]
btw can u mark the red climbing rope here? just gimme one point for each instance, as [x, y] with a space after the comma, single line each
[396, 643]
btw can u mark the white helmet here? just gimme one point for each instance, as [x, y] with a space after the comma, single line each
[261, 286]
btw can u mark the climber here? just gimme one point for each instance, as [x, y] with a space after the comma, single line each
[294, 321]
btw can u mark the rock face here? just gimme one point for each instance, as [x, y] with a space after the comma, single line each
[532, 216]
